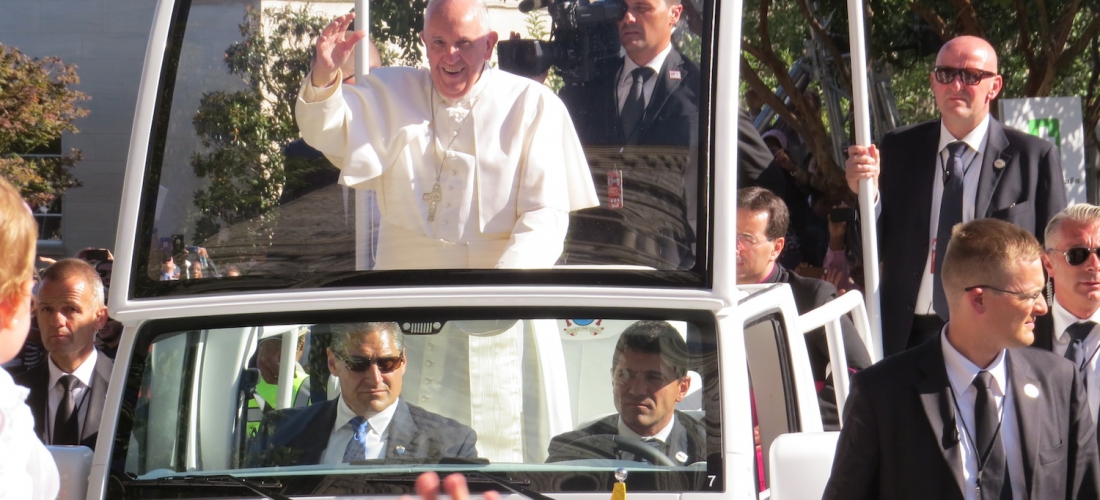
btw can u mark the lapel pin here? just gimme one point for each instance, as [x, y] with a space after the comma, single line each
[1030, 390]
[681, 457]
[998, 163]
[674, 74]
[401, 449]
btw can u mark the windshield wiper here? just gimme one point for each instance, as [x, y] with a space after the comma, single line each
[223, 480]
[509, 485]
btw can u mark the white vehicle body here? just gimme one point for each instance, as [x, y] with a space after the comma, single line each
[757, 327]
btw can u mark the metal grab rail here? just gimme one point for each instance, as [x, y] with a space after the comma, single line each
[828, 316]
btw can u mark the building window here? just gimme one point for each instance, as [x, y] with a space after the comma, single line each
[48, 216]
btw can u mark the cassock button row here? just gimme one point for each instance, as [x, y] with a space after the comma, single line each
[429, 362]
[424, 398]
[428, 380]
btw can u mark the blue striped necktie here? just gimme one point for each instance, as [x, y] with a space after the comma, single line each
[357, 445]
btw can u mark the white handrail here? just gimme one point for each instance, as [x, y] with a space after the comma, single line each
[828, 315]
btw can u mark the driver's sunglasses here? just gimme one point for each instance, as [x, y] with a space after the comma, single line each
[1078, 255]
[970, 76]
[361, 364]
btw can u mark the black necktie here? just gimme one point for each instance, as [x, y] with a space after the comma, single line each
[634, 107]
[65, 423]
[992, 481]
[951, 213]
[1076, 350]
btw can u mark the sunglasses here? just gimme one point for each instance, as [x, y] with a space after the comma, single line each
[1078, 255]
[946, 75]
[361, 364]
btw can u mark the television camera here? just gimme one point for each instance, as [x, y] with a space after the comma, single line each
[584, 39]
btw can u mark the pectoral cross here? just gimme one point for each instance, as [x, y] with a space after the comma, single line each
[433, 199]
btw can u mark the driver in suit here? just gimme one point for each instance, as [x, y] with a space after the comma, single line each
[369, 420]
[649, 376]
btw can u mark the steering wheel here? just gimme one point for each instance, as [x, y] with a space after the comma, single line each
[608, 446]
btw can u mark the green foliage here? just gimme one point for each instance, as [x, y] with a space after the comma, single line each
[244, 131]
[537, 28]
[36, 107]
[403, 21]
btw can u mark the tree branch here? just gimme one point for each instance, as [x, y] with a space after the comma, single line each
[826, 40]
[968, 17]
[1024, 43]
[1063, 28]
[932, 18]
[1091, 34]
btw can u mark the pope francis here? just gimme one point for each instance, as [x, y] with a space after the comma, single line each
[473, 167]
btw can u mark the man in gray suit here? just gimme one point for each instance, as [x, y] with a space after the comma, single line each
[69, 387]
[972, 413]
[369, 421]
[649, 376]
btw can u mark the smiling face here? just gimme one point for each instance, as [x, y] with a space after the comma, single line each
[646, 29]
[370, 391]
[646, 391]
[1077, 288]
[963, 106]
[68, 317]
[458, 43]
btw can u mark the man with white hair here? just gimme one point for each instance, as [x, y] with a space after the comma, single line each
[1073, 265]
[474, 167]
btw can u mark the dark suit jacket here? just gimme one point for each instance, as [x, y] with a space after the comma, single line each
[900, 440]
[1027, 191]
[659, 173]
[299, 436]
[687, 437]
[38, 377]
[671, 115]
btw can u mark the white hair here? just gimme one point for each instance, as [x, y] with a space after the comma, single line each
[481, 8]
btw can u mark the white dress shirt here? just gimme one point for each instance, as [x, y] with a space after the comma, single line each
[377, 434]
[626, 80]
[83, 374]
[972, 171]
[961, 373]
[1062, 320]
[661, 435]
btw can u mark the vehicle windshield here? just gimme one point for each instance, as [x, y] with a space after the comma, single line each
[554, 404]
[234, 198]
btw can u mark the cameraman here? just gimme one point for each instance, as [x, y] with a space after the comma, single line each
[651, 96]
[643, 104]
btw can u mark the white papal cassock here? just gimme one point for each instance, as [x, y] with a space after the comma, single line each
[506, 156]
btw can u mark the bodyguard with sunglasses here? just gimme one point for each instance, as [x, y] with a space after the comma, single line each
[369, 420]
[1072, 262]
[933, 175]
